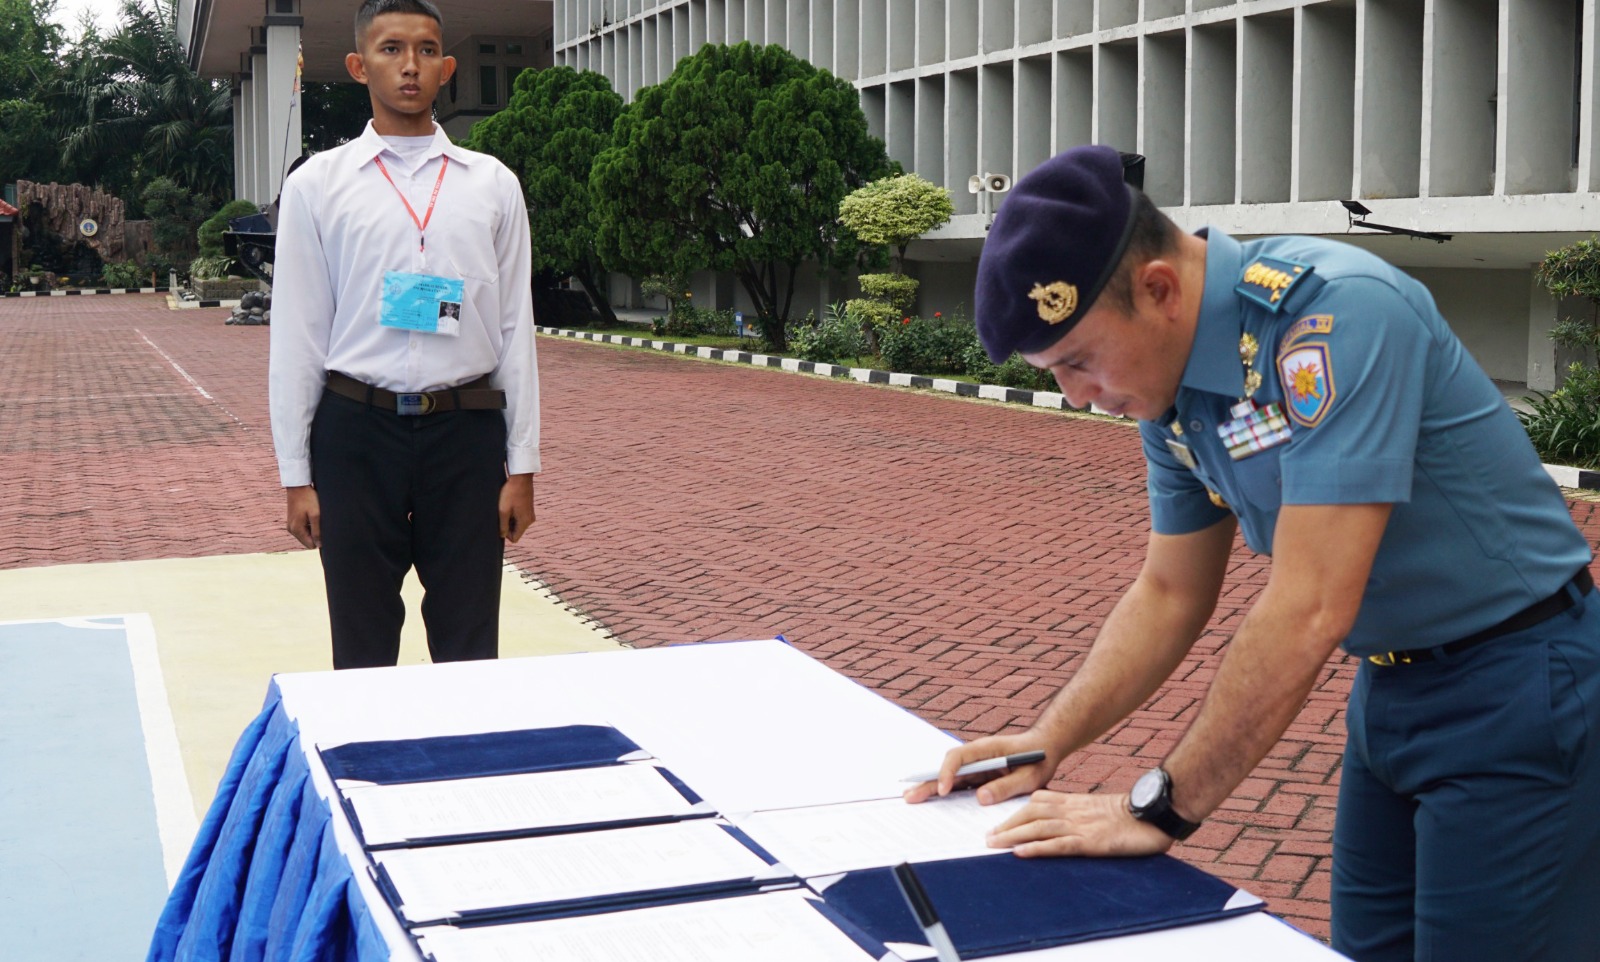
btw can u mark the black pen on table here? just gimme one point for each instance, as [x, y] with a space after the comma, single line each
[983, 765]
[922, 908]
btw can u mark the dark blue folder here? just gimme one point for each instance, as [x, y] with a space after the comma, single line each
[487, 753]
[995, 904]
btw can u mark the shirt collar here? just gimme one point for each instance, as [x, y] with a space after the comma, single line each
[1214, 364]
[370, 144]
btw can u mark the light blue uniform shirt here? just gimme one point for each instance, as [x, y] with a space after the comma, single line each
[1391, 409]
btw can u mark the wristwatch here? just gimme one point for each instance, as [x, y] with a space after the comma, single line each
[1151, 801]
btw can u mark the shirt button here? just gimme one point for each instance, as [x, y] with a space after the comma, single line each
[1197, 425]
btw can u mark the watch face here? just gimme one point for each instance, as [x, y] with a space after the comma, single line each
[1146, 790]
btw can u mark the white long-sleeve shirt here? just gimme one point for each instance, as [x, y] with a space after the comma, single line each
[341, 225]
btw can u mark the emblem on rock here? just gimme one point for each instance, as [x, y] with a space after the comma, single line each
[1057, 301]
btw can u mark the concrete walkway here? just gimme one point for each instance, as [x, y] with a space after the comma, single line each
[957, 556]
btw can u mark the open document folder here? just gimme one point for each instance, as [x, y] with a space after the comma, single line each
[583, 872]
[505, 806]
[790, 926]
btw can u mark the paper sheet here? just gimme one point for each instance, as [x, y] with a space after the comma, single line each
[779, 927]
[839, 838]
[501, 803]
[438, 883]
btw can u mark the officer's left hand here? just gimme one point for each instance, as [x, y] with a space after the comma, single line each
[1055, 823]
[516, 506]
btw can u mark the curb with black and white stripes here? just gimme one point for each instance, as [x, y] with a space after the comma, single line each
[992, 392]
[86, 292]
[1564, 476]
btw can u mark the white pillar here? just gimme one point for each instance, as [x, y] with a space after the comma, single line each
[261, 136]
[283, 102]
[244, 132]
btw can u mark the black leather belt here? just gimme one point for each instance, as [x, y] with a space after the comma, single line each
[475, 395]
[1526, 618]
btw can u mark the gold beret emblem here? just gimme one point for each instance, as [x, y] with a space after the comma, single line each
[1056, 300]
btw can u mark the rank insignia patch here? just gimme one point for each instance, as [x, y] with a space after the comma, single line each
[1307, 381]
[1268, 280]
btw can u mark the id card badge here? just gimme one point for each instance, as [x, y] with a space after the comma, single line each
[425, 303]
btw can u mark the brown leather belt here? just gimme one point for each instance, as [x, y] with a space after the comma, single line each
[1526, 618]
[475, 395]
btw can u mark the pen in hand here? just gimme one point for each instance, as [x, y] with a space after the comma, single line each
[922, 907]
[986, 765]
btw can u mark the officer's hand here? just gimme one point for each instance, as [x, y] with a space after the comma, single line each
[516, 506]
[305, 515]
[1054, 823]
[996, 786]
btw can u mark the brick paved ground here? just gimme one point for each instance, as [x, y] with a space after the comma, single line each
[956, 556]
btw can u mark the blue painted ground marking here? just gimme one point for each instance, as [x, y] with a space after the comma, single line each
[81, 872]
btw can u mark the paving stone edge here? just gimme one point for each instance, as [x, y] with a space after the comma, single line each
[85, 292]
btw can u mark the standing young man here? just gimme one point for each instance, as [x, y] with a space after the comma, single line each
[1312, 395]
[404, 394]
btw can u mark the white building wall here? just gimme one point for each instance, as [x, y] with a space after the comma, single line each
[1470, 117]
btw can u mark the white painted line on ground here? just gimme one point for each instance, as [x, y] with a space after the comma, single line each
[192, 382]
[175, 818]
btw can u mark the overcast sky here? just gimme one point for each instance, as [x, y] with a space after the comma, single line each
[68, 11]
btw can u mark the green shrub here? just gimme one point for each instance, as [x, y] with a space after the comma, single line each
[1564, 424]
[685, 321]
[835, 338]
[208, 268]
[123, 274]
[896, 290]
[872, 313]
[928, 345]
[1013, 372]
[209, 234]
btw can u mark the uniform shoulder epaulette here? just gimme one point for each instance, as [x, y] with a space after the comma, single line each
[1270, 281]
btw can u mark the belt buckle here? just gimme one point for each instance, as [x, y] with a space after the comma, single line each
[413, 404]
[1384, 659]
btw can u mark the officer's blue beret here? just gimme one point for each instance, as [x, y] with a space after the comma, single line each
[1053, 246]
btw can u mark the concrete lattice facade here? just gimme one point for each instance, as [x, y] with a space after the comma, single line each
[1469, 117]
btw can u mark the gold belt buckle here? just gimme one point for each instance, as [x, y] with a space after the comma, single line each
[1384, 658]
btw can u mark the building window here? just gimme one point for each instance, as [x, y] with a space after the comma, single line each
[488, 89]
[486, 48]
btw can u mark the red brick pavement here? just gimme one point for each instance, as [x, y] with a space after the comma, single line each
[956, 556]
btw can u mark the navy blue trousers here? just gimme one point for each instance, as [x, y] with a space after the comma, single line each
[1469, 805]
[400, 491]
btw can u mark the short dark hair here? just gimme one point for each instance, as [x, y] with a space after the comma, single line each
[1152, 236]
[372, 9]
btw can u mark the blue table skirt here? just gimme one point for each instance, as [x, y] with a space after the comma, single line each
[265, 879]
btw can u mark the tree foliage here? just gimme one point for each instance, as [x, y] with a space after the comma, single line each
[555, 124]
[29, 44]
[27, 142]
[133, 110]
[737, 162]
[894, 211]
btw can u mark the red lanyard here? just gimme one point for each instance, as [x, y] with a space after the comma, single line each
[422, 225]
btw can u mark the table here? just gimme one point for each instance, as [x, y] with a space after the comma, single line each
[276, 871]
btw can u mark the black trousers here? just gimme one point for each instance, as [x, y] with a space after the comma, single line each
[402, 491]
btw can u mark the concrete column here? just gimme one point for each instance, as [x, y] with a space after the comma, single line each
[243, 134]
[283, 101]
[260, 137]
[1543, 372]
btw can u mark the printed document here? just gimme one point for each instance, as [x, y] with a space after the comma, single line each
[447, 880]
[839, 838]
[504, 803]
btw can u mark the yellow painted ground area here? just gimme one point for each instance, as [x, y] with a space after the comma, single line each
[225, 625]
